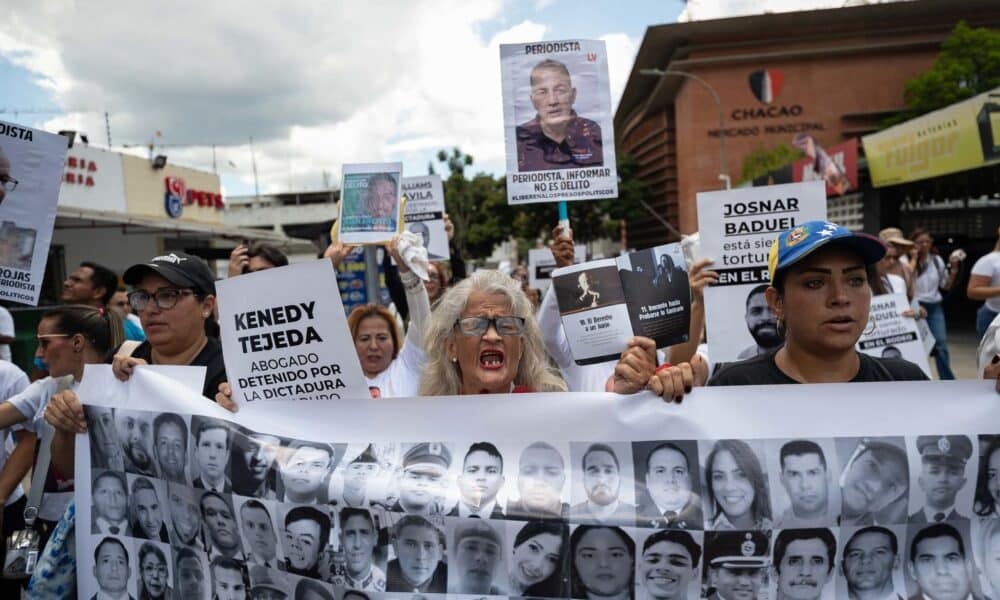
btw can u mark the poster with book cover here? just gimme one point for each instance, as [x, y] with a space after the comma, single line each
[605, 302]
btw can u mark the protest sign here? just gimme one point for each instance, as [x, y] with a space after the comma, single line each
[541, 263]
[605, 302]
[425, 213]
[558, 121]
[370, 202]
[309, 476]
[736, 229]
[31, 170]
[891, 335]
[283, 333]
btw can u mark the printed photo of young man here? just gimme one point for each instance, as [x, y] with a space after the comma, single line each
[668, 485]
[870, 562]
[210, 456]
[942, 476]
[222, 534]
[424, 479]
[109, 504]
[736, 564]
[602, 476]
[668, 564]
[359, 542]
[479, 483]
[170, 444]
[147, 509]
[185, 516]
[135, 434]
[419, 566]
[476, 564]
[802, 491]
[940, 562]
[113, 569]
[541, 476]
[307, 532]
[874, 482]
[260, 537]
[305, 471]
[254, 466]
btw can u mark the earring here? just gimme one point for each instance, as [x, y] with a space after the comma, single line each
[454, 359]
[779, 326]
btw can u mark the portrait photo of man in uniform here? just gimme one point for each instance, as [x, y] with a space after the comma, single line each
[668, 485]
[210, 456]
[135, 433]
[940, 563]
[259, 536]
[419, 547]
[359, 541]
[185, 516]
[424, 479]
[761, 323]
[736, 564]
[806, 479]
[170, 443]
[222, 534]
[147, 513]
[305, 471]
[803, 562]
[112, 569]
[479, 482]
[874, 483]
[869, 560]
[254, 465]
[476, 560]
[357, 476]
[307, 532]
[942, 476]
[601, 475]
[668, 564]
[541, 476]
[557, 137]
[109, 504]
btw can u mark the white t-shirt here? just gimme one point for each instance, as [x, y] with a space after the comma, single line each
[13, 381]
[928, 285]
[31, 403]
[402, 378]
[6, 329]
[989, 266]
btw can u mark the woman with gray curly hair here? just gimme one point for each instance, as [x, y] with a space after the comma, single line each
[483, 339]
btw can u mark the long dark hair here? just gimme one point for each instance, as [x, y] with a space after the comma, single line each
[101, 328]
[985, 505]
[746, 459]
[579, 590]
[554, 586]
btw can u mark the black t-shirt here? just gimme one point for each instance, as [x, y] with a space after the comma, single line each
[762, 370]
[210, 357]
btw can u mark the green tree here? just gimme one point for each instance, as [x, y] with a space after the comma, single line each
[762, 161]
[968, 64]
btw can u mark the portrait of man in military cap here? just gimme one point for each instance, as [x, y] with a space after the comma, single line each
[424, 478]
[557, 137]
[736, 564]
[942, 476]
[357, 475]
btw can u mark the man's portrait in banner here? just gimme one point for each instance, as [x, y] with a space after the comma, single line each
[370, 202]
[556, 137]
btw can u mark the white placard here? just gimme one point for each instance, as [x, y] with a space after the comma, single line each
[425, 213]
[891, 335]
[736, 230]
[31, 162]
[369, 205]
[558, 121]
[283, 333]
[399, 435]
[541, 263]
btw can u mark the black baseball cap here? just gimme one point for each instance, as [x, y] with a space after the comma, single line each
[179, 268]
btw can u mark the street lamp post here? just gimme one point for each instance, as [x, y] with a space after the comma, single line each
[723, 171]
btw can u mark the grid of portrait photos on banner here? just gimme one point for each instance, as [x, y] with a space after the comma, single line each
[195, 508]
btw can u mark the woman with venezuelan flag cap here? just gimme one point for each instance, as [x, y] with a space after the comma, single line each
[820, 292]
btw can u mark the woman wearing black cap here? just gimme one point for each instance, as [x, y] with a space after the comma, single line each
[820, 292]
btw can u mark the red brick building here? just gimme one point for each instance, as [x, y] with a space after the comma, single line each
[834, 74]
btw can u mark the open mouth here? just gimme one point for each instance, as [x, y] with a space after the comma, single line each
[840, 323]
[491, 359]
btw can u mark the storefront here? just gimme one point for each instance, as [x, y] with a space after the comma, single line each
[832, 74]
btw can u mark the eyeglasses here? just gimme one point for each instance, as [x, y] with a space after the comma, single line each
[155, 571]
[473, 326]
[45, 339]
[9, 184]
[165, 299]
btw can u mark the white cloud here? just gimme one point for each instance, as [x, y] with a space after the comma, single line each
[701, 10]
[316, 85]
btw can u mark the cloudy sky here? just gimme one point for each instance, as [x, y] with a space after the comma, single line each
[315, 84]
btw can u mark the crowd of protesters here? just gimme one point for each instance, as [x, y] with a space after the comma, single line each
[447, 332]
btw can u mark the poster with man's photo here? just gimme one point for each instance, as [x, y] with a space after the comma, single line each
[370, 202]
[605, 302]
[327, 501]
[541, 264]
[31, 170]
[282, 336]
[890, 334]
[425, 213]
[558, 121]
[737, 228]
